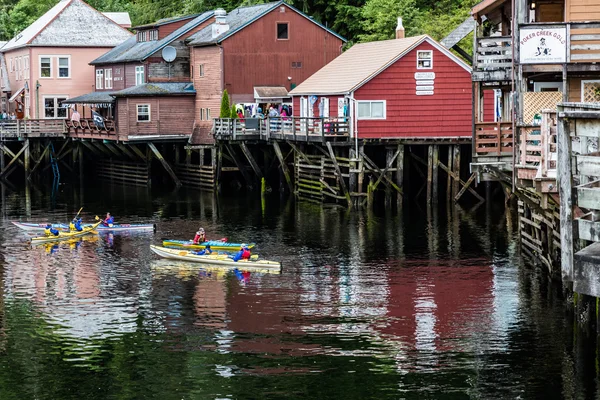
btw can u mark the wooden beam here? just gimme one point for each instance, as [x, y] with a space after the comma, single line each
[300, 153]
[388, 166]
[449, 182]
[251, 160]
[15, 158]
[113, 149]
[238, 164]
[284, 167]
[435, 182]
[37, 163]
[463, 183]
[456, 170]
[429, 172]
[164, 163]
[465, 187]
[10, 153]
[373, 167]
[93, 149]
[338, 172]
[565, 189]
[102, 149]
[137, 152]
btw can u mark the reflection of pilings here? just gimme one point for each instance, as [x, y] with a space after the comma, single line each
[432, 230]
[27, 199]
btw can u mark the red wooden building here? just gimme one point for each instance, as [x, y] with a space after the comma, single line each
[394, 89]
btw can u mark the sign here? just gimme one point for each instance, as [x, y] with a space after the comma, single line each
[424, 88]
[422, 83]
[425, 93]
[424, 75]
[543, 45]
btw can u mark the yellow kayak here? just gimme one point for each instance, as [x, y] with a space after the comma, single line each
[89, 230]
[213, 259]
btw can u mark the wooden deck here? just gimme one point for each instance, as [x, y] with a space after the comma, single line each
[297, 129]
[31, 128]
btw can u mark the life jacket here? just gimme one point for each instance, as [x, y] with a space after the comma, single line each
[72, 226]
[48, 232]
[245, 254]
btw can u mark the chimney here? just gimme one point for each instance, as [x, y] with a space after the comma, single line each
[220, 26]
[399, 29]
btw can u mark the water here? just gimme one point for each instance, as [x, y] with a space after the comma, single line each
[369, 305]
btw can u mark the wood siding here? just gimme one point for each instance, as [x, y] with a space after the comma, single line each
[208, 89]
[582, 10]
[167, 29]
[254, 56]
[169, 115]
[333, 106]
[123, 76]
[447, 113]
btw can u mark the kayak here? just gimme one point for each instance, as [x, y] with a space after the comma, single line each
[32, 226]
[213, 259]
[67, 235]
[165, 266]
[214, 244]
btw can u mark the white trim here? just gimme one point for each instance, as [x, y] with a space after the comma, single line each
[99, 82]
[587, 81]
[140, 68]
[56, 105]
[108, 79]
[58, 57]
[40, 66]
[430, 59]
[358, 102]
[137, 113]
[545, 85]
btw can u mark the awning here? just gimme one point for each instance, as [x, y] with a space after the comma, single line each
[270, 93]
[96, 99]
[17, 93]
[485, 6]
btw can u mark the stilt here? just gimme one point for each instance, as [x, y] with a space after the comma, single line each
[37, 163]
[138, 152]
[361, 169]
[4, 172]
[435, 170]
[284, 167]
[456, 170]
[164, 163]
[80, 154]
[338, 172]
[218, 153]
[400, 173]
[240, 166]
[148, 159]
[429, 173]
[353, 176]
[389, 161]
[251, 160]
[450, 166]
[27, 196]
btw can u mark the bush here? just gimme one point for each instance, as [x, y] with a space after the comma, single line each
[225, 110]
[234, 111]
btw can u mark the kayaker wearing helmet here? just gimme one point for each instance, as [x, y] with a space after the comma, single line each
[200, 236]
[206, 251]
[109, 220]
[75, 225]
[243, 254]
[50, 231]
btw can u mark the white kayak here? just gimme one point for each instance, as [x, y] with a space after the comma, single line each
[213, 259]
[34, 226]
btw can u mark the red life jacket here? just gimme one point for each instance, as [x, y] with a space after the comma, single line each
[246, 254]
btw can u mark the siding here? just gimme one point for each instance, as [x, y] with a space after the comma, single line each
[167, 29]
[445, 114]
[169, 115]
[254, 56]
[582, 10]
[208, 89]
[333, 106]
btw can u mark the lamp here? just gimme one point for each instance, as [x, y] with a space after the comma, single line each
[532, 6]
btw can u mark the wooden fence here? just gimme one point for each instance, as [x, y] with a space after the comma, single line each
[493, 137]
[14, 129]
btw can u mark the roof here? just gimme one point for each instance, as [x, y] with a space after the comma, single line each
[91, 98]
[165, 21]
[132, 50]
[5, 83]
[361, 63]
[270, 92]
[70, 23]
[120, 18]
[485, 6]
[2, 44]
[241, 17]
[158, 89]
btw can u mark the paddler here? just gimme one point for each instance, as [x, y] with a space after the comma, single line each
[75, 225]
[243, 254]
[200, 236]
[207, 250]
[109, 220]
[50, 231]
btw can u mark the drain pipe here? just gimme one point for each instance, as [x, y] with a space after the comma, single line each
[514, 95]
[37, 99]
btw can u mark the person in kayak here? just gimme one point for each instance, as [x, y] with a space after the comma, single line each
[75, 225]
[109, 220]
[207, 250]
[200, 236]
[243, 254]
[50, 231]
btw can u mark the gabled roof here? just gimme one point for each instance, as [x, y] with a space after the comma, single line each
[121, 18]
[240, 18]
[5, 83]
[70, 23]
[132, 50]
[157, 89]
[361, 63]
[165, 21]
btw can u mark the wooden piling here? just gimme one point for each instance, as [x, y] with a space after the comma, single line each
[435, 170]
[450, 168]
[284, 167]
[400, 173]
[456, 170]
[165, 164]
[389, 160]
[429, 173]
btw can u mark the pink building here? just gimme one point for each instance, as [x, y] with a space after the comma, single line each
[48, 62]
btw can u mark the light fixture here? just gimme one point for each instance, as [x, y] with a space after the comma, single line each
[533, 5]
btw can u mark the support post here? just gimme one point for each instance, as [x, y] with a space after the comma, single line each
[449, 182]
[240, 166]
[165, 164]
[435, 175]
[456, 170]
[251, 160]
[429, 173]
[26, 159]
[15, 159]
[565, 190]
[284, 167]
[338, 172]
[400, 172]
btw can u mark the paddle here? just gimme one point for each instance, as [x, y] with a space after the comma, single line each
[78, 212]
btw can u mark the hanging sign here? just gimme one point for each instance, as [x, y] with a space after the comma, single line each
[424, 75]
[543, 46]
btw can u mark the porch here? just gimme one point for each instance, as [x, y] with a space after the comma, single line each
[31, 128]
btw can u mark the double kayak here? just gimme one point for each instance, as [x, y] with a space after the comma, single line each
[32, 226]
[67, 235]
[214, 244]
[213, 259]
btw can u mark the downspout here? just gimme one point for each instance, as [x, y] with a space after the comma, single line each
[37, 98]
[354, 122]
[514, 96]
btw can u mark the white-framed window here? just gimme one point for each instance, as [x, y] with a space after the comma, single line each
[201, 70]
[139, 75]
[108, 79]
[547, 86]
[27, 106]
[205, 114]
[154, 34]
[371, 109]
[53, 107]
[143, 112]
[202, 114]
[26, 66]
[208, 114]
[424, 59]
[17, 69]
[10, 65]
[64, 67]
[99, 78]
[45, 67]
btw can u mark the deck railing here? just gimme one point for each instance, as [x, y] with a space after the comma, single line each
[494, 53]
[12, 129]
[493, 137]
[87, 127]
[537, 149]
[288, 128]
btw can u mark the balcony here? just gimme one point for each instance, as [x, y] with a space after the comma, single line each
[493, 138]
[303, 129]
[87, 128]
[493, 59]
[26, 128]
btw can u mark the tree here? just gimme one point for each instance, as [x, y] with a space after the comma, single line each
[225, 110]
[234, 111]
[380, 18]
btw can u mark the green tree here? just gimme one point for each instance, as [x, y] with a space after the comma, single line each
[234, 111]
[225, 108]
[380, 18]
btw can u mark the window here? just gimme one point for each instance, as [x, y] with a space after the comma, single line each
[283, 31]
[139, 75]
[201, 70]
[424, 59]
[10, 65]
[26, 67]
[108, 79]
[64, 67]
[143, 112]
[371, 109]
[154, 34]
[296, 64]
[143, 36]
[27, 106]
[205, 114]
[17, 69]
[53, 107]
[45, 67]
[202, 114]
[99, 78]
[208, 114]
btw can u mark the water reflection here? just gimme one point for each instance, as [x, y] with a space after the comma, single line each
[377, 304]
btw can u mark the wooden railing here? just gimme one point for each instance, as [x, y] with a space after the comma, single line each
[289, 128]
[494, 53]
[493, 137]
[87, 127]
[10, 129]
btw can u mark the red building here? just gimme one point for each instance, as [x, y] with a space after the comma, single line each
[402, 88]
